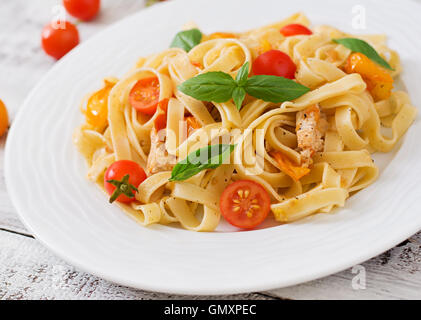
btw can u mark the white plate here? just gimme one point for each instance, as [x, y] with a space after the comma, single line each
[46, 176]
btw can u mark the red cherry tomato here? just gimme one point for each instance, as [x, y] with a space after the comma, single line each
[57, 41]
[115, 177]
[245, 204]
[144, 95]
[82, 9]
[295, 29]
[275, 63]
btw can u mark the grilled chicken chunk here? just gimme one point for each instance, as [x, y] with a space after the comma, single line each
[311, 128]
[159, 159]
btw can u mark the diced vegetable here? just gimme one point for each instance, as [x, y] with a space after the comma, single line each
[192, 124]
[379, 81]
[287, 167]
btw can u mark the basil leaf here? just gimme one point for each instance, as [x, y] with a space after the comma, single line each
[358, 45]
[274, 89]
[238, 96]
[210, 157]
[243, 74]
[187, 40]
[212, 86]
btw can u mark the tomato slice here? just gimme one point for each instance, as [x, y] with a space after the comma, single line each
[122, 179]
[295, 29]
[274, 63]
[144, 95]
[160, 121]
[245, 204]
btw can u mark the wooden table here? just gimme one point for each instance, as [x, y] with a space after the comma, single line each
[30, 271]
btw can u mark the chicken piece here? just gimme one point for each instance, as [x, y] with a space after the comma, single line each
[159, 159]
[311, 128]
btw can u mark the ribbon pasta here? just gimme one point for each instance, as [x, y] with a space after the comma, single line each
[355, 126]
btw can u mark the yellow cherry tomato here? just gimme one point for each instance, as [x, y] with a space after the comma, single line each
[96, 112]
[4, 119]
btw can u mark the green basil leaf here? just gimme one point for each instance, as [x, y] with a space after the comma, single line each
[210, 157]
[238, 96]
[187, 40]
[211, 86]
[358, 45]
[274, 89]
[243, 74]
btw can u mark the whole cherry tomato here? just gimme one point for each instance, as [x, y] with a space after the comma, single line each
[122, 179]
[295, 29]
[245, 204]
[58, 38]
[275, 63]
[82, 9]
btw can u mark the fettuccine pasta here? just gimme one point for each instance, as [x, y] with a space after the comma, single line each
[309, 154]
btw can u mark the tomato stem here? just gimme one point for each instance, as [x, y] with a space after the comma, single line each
[122, 187]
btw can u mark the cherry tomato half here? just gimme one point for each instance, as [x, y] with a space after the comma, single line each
[245, 204]
[82, 9]
[125, 175]
[57, 40]
[4, 119]
[275, 63]
[295, 29]
[144, 95]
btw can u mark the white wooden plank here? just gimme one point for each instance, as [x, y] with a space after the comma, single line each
[8, 217]
[395, 274]
[29, 271]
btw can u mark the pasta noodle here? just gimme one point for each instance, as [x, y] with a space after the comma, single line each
[354, 123]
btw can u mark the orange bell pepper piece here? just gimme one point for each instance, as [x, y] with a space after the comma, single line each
[288, 167]
[379, 81]
[192, 124]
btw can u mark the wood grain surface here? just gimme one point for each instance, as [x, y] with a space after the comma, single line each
[30, 271]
